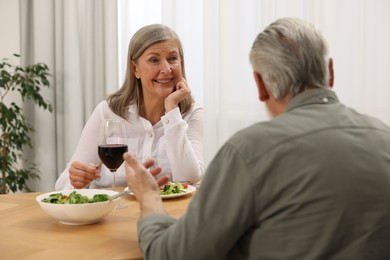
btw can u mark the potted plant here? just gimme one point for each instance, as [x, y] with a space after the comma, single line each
[15, 129]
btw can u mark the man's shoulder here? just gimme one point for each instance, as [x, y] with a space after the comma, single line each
[259, 136]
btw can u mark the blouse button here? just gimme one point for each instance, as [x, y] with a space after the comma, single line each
[325, 100]
[150, 134]
[166, 121]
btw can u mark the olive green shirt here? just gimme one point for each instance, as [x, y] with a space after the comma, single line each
[312, 183]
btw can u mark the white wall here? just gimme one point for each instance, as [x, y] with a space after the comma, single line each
[9, 28]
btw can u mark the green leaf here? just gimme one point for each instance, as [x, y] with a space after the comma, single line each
[15, 130]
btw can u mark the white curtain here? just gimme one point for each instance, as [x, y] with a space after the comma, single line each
[78, 40]
[217, 37]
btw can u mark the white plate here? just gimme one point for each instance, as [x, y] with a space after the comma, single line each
[190, 189]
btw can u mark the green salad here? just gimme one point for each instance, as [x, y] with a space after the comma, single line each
[173, 188]
[74, 198]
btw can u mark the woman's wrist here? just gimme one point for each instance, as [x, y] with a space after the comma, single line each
[169, 107]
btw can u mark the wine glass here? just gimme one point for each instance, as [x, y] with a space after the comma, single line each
[112, 145]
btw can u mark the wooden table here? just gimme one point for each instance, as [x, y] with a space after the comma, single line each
[27, 232]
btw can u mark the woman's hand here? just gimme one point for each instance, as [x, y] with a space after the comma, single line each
[182, 91]
[81, 174]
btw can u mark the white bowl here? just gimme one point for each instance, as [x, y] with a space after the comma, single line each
[79, 214]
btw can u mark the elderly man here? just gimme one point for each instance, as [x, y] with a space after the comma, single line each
[312, 183]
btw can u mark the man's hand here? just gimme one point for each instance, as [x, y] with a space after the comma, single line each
[145, 188]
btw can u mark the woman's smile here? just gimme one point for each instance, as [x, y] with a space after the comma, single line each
[158, 68]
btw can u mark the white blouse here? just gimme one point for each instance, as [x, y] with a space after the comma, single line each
[175, 143]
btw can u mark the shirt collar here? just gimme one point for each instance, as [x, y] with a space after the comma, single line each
[313, 96]
[133, 109]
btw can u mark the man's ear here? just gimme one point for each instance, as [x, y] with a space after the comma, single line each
[331, 73]
[263, 92]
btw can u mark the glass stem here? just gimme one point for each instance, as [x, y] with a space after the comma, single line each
[113, 180]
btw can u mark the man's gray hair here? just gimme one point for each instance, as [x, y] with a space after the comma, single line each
[291, 55]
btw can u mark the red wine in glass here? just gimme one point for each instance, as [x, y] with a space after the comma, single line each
[112, 155]
[112, 144]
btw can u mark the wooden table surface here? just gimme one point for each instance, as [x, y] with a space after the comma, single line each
[27, 232]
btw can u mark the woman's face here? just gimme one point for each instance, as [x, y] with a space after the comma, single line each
[159, 68]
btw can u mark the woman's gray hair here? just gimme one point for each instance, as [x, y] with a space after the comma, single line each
[131, 90]
[291, 55]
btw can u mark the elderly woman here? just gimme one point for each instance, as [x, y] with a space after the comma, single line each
[163, 122]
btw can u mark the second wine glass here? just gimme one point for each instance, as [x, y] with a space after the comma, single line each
[112, 144]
